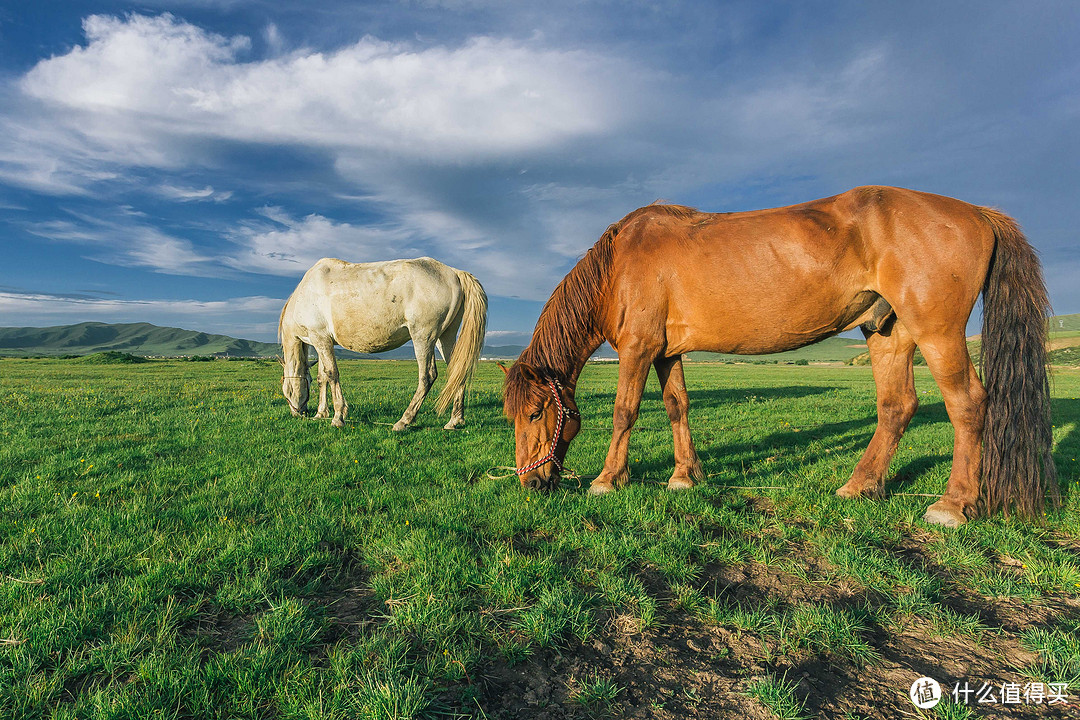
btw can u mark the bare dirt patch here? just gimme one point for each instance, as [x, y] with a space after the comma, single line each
[684, 668]
[219, 631]
[666, 672]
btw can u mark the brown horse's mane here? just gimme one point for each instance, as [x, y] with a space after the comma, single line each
[570, 320]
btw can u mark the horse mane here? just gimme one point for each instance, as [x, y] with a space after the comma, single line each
[281, 318]
[571, 316]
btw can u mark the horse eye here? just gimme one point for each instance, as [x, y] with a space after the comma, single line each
[536, 415]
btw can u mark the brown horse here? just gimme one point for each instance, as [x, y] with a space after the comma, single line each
[904, 266]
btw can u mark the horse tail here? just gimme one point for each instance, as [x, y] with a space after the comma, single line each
[470, 341]
[1017, 465]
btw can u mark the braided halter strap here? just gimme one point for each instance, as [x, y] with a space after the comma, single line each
[564, 412]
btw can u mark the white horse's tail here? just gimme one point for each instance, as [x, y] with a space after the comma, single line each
[470, 341]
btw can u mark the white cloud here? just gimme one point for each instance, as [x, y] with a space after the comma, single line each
[158, 75]
[128, 241]
[285, 245]
[496, 337]
[187, 194]
[504, 157]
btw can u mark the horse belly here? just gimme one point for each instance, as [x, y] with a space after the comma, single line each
[774, 323]
[376, 342]
[369, 328]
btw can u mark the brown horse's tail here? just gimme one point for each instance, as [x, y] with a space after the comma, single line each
[1017, 466]
[470, 340]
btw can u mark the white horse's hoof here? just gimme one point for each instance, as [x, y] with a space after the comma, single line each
[338, 422]
[399, 426]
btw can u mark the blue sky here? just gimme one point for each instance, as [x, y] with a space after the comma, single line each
[183, 162]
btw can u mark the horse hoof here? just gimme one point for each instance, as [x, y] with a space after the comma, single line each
[338, 422]
[942, 514]
[601, 488]
[453, 426]
[677, 484]
[850, 491]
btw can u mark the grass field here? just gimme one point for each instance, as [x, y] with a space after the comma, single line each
[174, 545]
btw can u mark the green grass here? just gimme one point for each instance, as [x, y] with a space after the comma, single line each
[174, 544]
[111, 357]
[778, 694]
[595, 692]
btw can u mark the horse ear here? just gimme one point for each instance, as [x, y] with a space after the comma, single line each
[506, 371]
[531, 374]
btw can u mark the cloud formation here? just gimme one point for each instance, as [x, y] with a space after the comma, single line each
[503, 141]
[127, 240]
[283, 245]
[161, 76]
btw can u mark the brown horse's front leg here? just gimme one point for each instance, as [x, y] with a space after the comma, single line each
[890, 359]
[677, 403]
[633, 371]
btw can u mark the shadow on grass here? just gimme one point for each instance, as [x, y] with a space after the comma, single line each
[846, 436]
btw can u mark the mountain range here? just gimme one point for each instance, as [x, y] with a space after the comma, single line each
[152, 340]
[155, 341]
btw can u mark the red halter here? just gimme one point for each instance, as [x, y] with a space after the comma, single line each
[564, 412]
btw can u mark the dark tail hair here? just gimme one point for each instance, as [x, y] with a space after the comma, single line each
[1017, 466]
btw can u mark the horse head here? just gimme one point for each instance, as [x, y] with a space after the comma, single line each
[296, 386]
[545, 417]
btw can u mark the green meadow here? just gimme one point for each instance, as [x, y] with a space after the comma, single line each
[173, 544]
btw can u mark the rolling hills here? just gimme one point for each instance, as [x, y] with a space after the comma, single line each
[135, 338]
[152, 340]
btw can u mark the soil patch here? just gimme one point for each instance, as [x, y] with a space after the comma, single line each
[684, 668]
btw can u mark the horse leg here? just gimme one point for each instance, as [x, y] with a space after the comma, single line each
[965, 401]
[677, 404]
[446, 347]
[890, 360]
[425, 361]
[633, 371]
[325, 348]
[324, 410]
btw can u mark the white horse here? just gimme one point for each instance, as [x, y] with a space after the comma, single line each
[375, 307]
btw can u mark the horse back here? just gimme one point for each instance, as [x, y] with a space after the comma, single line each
[375, 307]
[772, 280]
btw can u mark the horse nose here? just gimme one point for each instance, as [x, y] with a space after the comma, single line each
[540, 480]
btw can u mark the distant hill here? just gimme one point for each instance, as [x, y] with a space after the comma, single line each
[1066, 323]
[135, 338]
[834, 349]
[1064, 343]
[145, 339]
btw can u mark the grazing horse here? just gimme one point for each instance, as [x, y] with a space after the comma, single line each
[905, 266]
[375, 307]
